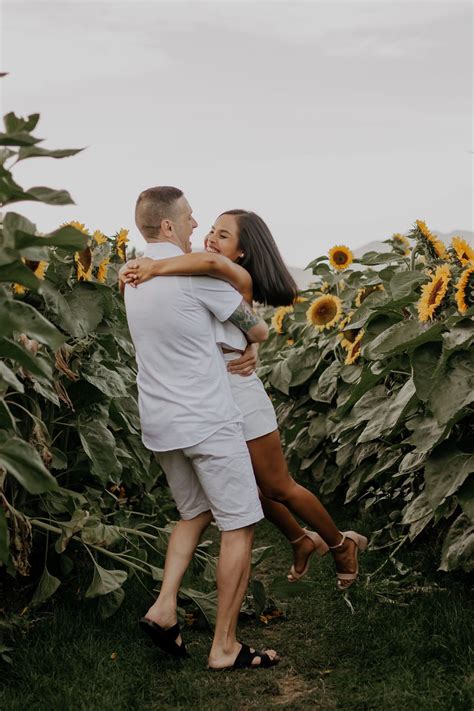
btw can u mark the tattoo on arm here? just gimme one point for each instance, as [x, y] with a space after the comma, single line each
[244, 317]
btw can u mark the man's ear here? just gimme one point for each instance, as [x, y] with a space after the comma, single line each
[167, 228]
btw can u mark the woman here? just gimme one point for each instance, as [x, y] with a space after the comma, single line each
[241, 250]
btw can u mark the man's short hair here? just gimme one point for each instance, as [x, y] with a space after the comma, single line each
[153, 206]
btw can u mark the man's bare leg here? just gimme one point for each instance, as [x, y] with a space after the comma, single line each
[233, 572]
[181, 546]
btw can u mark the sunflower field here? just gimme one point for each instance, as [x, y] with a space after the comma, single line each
[372, 376]
[80, 497]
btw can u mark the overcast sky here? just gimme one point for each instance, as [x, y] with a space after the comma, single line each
[338, 122]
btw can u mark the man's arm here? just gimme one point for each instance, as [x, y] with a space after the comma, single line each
[216, 265]
[254, 328]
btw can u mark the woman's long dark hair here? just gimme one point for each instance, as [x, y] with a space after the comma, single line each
[272, 282]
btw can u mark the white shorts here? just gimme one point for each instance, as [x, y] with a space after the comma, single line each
[215, 475]
[253, 402]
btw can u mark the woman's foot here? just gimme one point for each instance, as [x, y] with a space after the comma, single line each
[166, 620]
[303, 549]
[345, 558]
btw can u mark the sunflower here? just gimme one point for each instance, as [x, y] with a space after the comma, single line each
[433, 293]
[121, 244]
[463, 251]
[300, 300]
[346, 337]
[340, 257]
[465, 290]
[38, 269]
[324, 287]
[363, 293]
[102, 270]
[279, 316]
[78, 225]
[401, 242]
[324, 312]
[99, 237]
[83, 264]
[432, 245]
[353, 352]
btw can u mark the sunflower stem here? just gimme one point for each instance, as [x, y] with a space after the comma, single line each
[414, 253]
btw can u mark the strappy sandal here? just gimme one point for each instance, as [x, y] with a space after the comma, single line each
[345, 580]
[165, 639]
[245, 658]
[320, 547]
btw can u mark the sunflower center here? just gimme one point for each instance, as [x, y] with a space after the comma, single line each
[434, 292]
[325, 312]
[340, 257]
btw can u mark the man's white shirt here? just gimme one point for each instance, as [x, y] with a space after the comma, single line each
[184, 394]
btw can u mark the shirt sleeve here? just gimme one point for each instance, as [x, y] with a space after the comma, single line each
[219, 297]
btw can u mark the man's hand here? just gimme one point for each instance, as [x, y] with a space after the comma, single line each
[136, 271]
[246, 364]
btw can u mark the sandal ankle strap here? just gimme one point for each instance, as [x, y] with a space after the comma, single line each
[339, 544]
[297, 540]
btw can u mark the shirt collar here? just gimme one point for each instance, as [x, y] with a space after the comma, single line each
[161, 250]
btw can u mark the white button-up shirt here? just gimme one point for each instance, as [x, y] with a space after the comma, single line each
[184, 394]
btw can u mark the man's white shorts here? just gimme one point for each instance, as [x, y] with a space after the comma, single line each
[214, 475]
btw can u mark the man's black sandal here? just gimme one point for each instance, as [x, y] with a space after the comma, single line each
[164, 639]
[245, 658]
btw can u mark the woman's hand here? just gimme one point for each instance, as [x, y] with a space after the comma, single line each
[136, 271]
[246, 364]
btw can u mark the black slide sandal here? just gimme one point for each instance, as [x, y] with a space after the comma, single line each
[164, 639]
[245, 658]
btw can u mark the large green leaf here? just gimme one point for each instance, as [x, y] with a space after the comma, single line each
[456, 390]
[35, 151]
[12, 270]
[424, 360]
[69, 528]
[81, 311]
[105, 581]
[47, 586]
[403, 285]
[48, 196]
[458, 547]
[12, 222]
[67, 238]
[324, 388]
[36, 364]
[426, 432]
[9, 379]
[465, 496]
[402, 337]
[107, 381]
[281, 377]
[99, 445]
[100, 534]
[14, 123]
[417, 515]
[19, 317]
[398, 406]
[445, 471]
[24, 463]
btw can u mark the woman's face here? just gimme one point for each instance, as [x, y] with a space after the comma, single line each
[223, 238]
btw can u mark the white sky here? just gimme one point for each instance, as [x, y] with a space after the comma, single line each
[338, 122]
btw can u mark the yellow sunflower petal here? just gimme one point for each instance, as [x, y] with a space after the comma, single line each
[99, 237]
[102, 270]
[324, 312]
[433, 293]
[278, 317]
[432, 243]
[340, 257]
[353, 352]
[464, 294]
[464, 252]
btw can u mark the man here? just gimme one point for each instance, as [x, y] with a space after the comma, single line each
[189, 419]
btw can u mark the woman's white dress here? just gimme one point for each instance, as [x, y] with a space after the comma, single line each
[248, 391]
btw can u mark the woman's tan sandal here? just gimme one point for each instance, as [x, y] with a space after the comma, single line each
[320, 547]
[345, 580]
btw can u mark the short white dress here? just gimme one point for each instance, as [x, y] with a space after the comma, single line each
[248, 391]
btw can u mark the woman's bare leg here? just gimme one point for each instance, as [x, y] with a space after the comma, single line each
[275, 482]
[284, 520]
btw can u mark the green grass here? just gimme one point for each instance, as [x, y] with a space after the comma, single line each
[405, 652]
